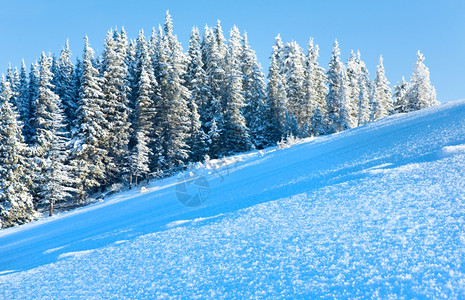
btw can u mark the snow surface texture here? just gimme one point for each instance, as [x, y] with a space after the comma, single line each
[377, 211]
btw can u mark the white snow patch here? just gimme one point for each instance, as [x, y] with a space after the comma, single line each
[6, 272]
[121, 242]
[452, 150]
[75, 254]
[53, 249]
[177, 223]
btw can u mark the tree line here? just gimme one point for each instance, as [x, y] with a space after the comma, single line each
[144, 109]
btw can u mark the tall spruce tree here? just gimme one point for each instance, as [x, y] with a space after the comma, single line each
[211, 115]
[364, 84]
[65, 85]
[143, 112]
[421, 93]
[338, 107]
[22, 101]
[173, 114]
[52, 178]
[381, 98]
[33, 92]
[294, 77]
[115, 107]
[353, 73]
[90, 155]
[315, 91]
[253, 85]
[196, 82]
[235, 134]
[16, 205]
[276, 98]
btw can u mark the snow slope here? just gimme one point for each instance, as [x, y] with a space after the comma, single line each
[377, 211]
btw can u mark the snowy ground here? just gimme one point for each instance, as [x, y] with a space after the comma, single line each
[377, 211]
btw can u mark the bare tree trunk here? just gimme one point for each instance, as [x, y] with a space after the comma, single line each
[130, 180]
[82, 196]
[136, 179]
[50, 213]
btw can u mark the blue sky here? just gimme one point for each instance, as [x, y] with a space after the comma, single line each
[395, 29]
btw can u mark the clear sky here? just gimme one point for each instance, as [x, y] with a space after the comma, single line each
[396, 29]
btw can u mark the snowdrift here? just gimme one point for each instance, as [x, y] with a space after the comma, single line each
[376, 211]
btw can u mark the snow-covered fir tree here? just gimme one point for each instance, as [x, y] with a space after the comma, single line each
[381, 99]
[52, 177]
[338, 107]
[253, 85]
[143, 112]
[90, 156]
[33, 92]
[293, 71]
[235, 136]
[16, 205]
[220, 43]
[276, 101]
[421, 93]
[196, 82]
[65, 85]
[22, 100]
[277, 50]
[10, 78]
[172, 114]
[364, 83]
[131, 65]
[115, 107]
[315, 91]
[210, 107]
[353, 73]
[399, 92]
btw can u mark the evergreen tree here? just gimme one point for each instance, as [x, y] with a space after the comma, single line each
[294, 77]
[33, 92]
[353, 73]
[338, 108]
[22, 101]
[16, 206]
[253, 85]
[65, 85]
[196, 82]
[173, 114]
[315, 91]
[400, 101]
[364, 84]
[143, 112]
[235, 135]
[421, 93]
[381, 99]
[276, 101]
[278, 49]
[52, 179]
[10, 78]
[210, 107]
[220, 43]
[131, 65]
[89, 153]
[115, 107]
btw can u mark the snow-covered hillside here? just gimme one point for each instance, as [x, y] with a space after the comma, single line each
[376, 211]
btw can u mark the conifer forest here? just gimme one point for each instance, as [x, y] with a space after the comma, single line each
[146, 108]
